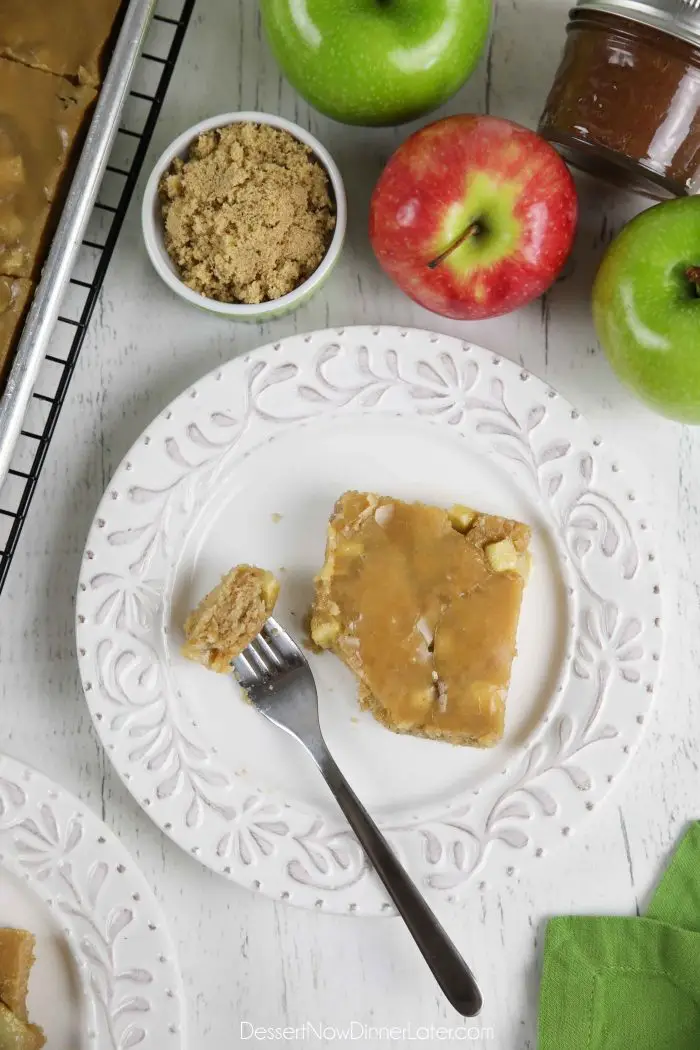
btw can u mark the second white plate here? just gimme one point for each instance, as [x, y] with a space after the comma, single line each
[246, 466]
[106, 973]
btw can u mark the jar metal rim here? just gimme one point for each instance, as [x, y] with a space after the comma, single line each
[683, 22]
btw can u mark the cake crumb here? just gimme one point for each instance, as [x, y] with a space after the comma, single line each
[276, 518]
[229, 617]
[248, 216]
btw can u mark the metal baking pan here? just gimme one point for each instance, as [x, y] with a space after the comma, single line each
[56, 273]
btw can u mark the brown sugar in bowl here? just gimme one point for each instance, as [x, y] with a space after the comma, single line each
[173, 272]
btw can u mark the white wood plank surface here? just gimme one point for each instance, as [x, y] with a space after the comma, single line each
[244, 957]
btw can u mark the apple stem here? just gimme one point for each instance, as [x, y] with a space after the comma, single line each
[693, 275]
[472, 230]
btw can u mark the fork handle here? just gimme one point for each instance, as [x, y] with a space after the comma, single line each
[449, 968]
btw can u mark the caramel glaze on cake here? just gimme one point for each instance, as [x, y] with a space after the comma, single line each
[422, 604]
[65, 37]
[15, 295]
[41, 117]
[51, 54]
[18, 1035]
[16, 961]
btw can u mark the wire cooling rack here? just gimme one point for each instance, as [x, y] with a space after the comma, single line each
[149, 86]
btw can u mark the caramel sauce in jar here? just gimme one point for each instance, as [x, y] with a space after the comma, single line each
[625, 104]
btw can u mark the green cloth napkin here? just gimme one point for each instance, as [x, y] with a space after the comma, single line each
[628, 984]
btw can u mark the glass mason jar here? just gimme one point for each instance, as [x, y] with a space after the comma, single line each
[625, 103]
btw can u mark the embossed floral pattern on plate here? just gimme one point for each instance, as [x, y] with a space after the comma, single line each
[114, 927]
[567, 763]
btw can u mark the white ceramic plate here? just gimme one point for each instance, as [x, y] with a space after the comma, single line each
[246, 466]
[105, 975]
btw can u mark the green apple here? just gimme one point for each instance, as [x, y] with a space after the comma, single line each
[646, 307]
[376, 61]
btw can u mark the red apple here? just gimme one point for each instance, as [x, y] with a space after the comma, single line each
[473, 216]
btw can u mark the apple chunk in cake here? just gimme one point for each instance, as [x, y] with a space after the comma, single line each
[422, 604]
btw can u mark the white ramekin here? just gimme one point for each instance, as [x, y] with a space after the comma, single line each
[152, 222]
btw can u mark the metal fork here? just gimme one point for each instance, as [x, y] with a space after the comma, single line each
[275, 674]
